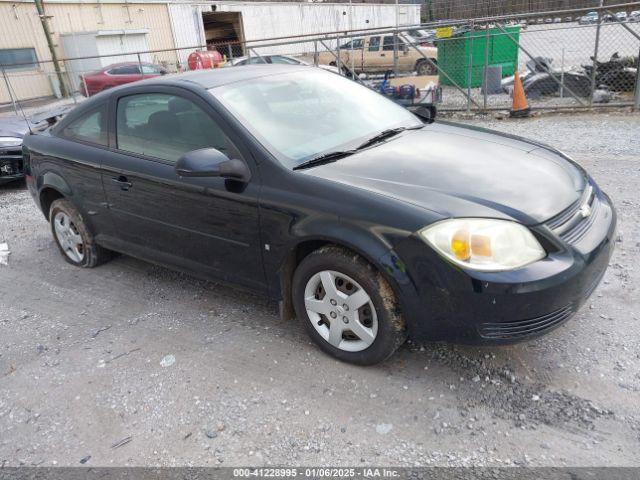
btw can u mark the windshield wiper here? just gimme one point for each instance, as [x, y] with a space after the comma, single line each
[383, 135]
[324, 158]
[337, 155]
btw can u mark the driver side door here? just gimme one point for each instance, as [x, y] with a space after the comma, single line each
[205, 225]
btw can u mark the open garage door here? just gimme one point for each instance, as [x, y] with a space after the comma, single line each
[224, 28]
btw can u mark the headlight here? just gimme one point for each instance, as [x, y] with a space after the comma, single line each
[10, 142]
[484, 244]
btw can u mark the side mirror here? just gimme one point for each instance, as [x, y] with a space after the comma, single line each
[405, 48]
[210, 162]
[163, 71]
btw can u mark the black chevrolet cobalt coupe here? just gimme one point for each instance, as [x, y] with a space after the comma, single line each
[365, 223]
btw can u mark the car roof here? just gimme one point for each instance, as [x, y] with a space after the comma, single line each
[122, 64]
[221, 76]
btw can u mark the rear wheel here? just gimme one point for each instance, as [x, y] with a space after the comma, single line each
[425, 68]
[348, 308]
[72, 236]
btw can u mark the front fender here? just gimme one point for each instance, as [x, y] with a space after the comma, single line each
[370, 243]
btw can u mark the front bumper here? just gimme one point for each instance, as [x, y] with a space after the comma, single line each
[11, 165]
[446, 302]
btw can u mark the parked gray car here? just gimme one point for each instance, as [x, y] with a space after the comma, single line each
[12, 130]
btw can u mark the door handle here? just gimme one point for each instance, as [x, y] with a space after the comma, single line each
[122, 182]
[383, 55]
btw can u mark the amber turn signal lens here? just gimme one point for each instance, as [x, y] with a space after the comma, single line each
[460, 245]
[481, 245]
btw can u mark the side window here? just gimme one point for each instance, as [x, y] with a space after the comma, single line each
[255, 60]
[356, 44]
[25, 57]
[150, 69]
[167, 126]
[387, 44]
[91, 127]
[125, 70]
[374, 44]
[284, 60]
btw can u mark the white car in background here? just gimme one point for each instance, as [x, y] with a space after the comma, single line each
[621, 16]
[275, 59]
[634, 16]
[591, 17]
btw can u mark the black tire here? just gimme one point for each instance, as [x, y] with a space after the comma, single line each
[391, 328]
[92, 253]
[346, 72]
[425, 68]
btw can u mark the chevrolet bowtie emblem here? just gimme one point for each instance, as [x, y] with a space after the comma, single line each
[585, 210]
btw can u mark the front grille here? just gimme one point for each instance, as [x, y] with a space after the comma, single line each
[572, 224]
[10, 162]
[525, 328]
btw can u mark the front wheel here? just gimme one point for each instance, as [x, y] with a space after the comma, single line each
[348, 308]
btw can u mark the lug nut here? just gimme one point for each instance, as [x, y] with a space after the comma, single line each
[345, 319]
[346, 307]
[333, 302]
[333, 314]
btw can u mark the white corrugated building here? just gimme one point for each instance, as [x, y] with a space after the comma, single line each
[115, 27]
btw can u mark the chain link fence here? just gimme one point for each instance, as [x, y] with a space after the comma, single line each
[566, 59]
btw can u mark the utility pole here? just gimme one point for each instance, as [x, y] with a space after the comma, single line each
[54, 57]
[429, 10]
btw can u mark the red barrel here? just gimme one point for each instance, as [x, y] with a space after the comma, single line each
[201, 59]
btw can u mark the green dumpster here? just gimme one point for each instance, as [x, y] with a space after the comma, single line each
[453, 55]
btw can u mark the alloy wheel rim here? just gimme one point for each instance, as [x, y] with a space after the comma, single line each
[341, 311]
[68, 237]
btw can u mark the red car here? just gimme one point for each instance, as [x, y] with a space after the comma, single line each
[117, 74]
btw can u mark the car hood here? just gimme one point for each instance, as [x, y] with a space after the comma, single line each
[13, 127]
[460, 171]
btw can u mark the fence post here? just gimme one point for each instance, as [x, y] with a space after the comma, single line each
[315, 52]
[636, 98]
[83, 82]
[140, 65]
[395, 53]
[13, 100]
[562, 75]
[71, 90]
[595, 56]
[485, 75]
[470, 66]
[230, 51]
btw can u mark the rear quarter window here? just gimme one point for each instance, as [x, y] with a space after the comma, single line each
[91, 127]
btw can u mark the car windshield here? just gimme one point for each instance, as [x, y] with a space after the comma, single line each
[301, 115]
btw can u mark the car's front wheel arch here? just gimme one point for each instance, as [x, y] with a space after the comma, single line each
[374, 252]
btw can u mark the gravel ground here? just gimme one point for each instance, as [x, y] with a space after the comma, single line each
[132, 364]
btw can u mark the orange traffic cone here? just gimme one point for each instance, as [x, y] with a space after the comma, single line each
[520, 107]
